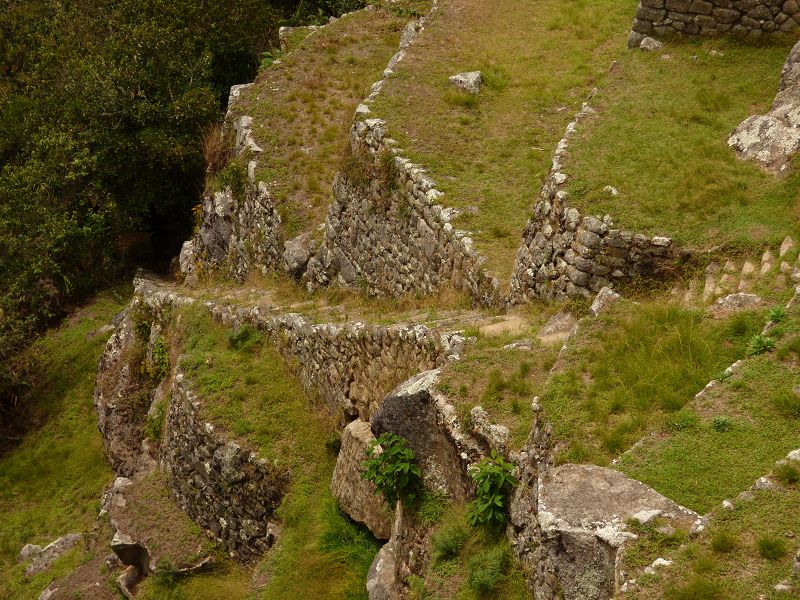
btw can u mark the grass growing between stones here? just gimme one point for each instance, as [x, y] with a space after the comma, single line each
[720, 443]
[540, 59]
[50, 484]
[707, 569]
[303, 107]
[629, 372]
[248, 389]
[468, 563]
[661, 136]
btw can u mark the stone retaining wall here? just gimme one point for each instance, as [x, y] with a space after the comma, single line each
[227, 490]
[352, 366]
[696, 18]
[567, 254]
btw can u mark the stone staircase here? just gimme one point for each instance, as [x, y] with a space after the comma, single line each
[776, 269]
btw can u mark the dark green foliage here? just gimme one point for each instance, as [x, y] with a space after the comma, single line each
[159, 364]
[448, 542]
[494, 480]
[245, 338]
[390, 466]
[721, 424]
[487, 570]
[770, 547]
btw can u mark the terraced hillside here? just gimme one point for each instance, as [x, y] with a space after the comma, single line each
[433, 343]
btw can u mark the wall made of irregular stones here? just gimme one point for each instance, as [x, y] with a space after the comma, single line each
[695, 18]
[567, 254]
[224, 488]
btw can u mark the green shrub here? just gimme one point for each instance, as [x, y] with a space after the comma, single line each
[487, 570]
[787, 403]
[159, 366]
[244, 338]
[390, 466]
[696, 588]
[448, 542]
[787, 473]
[723, 541]
[683, 419]
[233, 176]
[494, 480]
[155, 420]
[759, 344]
[721, 424]
[770, 547]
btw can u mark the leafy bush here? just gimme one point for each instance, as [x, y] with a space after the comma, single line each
[448, 542]
[759, 344]
[770, 547]
[777, 314]
[723, 541]
[494, 480]
[487, 570]
[390, 466]
[721, 424]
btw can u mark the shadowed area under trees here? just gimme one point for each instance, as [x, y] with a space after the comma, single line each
[102, 111]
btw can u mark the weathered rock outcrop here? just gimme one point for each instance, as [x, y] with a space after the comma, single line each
[356, 496]
[772, 140]
[567, 254]
[417, 412]
[40, 559]
[226, 489]
[696, 18]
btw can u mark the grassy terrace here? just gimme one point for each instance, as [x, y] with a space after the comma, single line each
[540, 59]
[661, 138]
[303, 107]
[755, 409]
[248, 390]
[51, 484]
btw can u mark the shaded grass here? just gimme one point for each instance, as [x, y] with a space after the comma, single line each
[50, 484]
[631, 370]
[540, 59]
[248, 390]
[661, 138]
[303, 108]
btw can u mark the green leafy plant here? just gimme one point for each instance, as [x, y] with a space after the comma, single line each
[759, 344]
[721, 424]
[269, 57]
[494, 480]
[390, 466]
[155, 420]
[777, 314]
[159, 363]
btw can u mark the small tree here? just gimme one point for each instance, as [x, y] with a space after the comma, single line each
[494, 480]
[390, 466]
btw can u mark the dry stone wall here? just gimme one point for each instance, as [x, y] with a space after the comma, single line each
[565, 253]
[227, 490]
[696, 18]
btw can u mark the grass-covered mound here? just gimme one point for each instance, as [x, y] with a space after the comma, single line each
[50, 484]
[660, 138]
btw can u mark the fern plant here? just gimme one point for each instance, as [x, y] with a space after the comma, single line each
[390, 466]
[494, 480]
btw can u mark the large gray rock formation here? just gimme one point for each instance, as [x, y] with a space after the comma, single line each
[356, 496]
[772, 140]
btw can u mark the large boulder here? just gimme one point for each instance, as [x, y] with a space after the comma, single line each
[41, 559]
[771, 140]
[382, 578]
[356, 496]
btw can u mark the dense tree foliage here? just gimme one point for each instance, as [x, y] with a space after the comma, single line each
[102, 108]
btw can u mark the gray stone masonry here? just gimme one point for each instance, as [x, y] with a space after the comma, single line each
[704, 18]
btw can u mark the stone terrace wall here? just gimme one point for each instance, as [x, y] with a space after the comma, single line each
[566, 254]
[352, 366]
[227, 490]
[695, 18]
[403, 244]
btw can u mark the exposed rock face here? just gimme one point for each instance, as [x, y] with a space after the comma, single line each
[418, 413]
[773, 139]
[469, 82]
[296, 253]
[228, 490]
[122, 397]
[131, 552]
[41, 559]
[236, 236]
[566, 254]
[736, 302]
[558, 329]
[382, 578]
[696, 18]
[356, 496]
